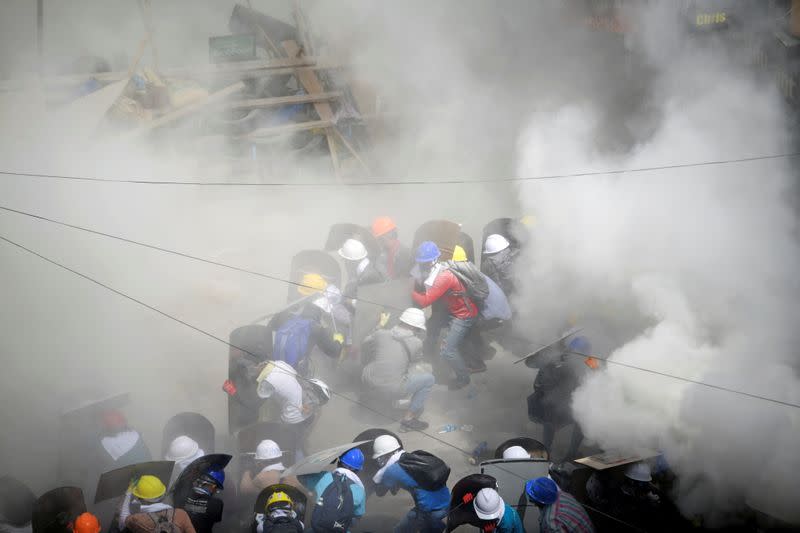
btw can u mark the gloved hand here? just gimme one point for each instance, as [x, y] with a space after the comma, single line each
[338, 337]
[384, 319]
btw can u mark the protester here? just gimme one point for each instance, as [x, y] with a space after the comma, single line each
[431, 502]
[120, 445]
[279, 516]
[437, 281]
[183, 450]
[359, 268]
[203, 506]
[333, 505]
[559, 512]
[496, 514]
[390, 358]
[85, 523]
[143, 510]
[395, 260]
[268, 470]
[498, 262]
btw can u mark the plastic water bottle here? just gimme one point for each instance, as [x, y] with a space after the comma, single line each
[478, 452]
[466, 427]
[448, 428]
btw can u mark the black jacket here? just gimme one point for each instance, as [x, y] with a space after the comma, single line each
[204, 511]
[500, 268]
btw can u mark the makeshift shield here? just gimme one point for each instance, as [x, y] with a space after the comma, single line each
[532, 446]
[515, 232]
[76, 427]
[444, 233]
[16, 501]
[313, 262]
[547, 353]
[183, 485]
[243, 402]
[55, 510]
[114, 483]
[249, 437]
[193, 425]
[466, 242]
[461, 496]
[320, 461]
[341, 232]
[389, 297]
[299, 499]
[511, 477]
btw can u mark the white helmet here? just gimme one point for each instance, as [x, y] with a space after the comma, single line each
[383, 445]
[321, 389]
[488, 504]
[516, 452]
[181, 448]
[639, 472]
[267, 449]
[495, 243]
[353, 250]
[413, 317]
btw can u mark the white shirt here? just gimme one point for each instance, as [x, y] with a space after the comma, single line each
[288, 391]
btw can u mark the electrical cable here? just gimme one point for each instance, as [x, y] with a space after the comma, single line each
[418, 182]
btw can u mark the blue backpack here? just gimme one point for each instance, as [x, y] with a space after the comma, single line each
[291, 340]
[335, 508]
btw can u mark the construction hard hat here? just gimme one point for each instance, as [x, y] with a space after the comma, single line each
[495, 243]
[413, 317]
[353, 458]
[488, 504]
[639, 472]
[428, 252]
[278, 498]
[312, 283]
[383, 445]
[528, 221]
[516, 452]
[149, 488]
[321, 389]
[114, 420]
[268, 449]
[382, 226]
[353, 250]
[86, 523]
[542, 490]
[580, 345]
[459, 254]
[216, 476]
[181, 448]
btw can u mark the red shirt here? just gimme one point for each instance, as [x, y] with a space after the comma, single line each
[448, 286]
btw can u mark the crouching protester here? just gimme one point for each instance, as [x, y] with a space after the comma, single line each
[393, 365]
[341, 498]
[559, 512]
[143, 509]
[279, 516]
[420, 473]
[496, 514]
[203, 506]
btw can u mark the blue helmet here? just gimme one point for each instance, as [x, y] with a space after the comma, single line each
[542, 490]
[217, 476]
[352, 458]
[428, 252]
[580, 345]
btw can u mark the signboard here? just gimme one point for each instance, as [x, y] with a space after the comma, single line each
[229, 48]
[605, 460]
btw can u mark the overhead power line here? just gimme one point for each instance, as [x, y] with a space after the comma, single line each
[418, 182]
[281, 280]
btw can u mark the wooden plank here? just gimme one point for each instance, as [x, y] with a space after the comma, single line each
[185, 110]
[279, 101]
[286, 129]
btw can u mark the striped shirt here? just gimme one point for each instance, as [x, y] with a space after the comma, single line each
[565, 515]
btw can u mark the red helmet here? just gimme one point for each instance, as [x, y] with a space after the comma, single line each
[114, 420]
[382, 226]
[86, 523]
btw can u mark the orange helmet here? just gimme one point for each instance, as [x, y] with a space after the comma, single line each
[86, 523]
[382, 226]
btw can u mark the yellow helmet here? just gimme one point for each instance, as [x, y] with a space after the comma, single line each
[149, 488]
[312, 283]
[278, 497]
[459, 254]
[528, 220]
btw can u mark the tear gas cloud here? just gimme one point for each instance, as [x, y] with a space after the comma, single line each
[693, 265]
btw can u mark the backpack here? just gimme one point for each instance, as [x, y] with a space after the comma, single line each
[282, 525]
[426, 469]
[291, 340]
[165, 522]
[335, 508]
[475, 285]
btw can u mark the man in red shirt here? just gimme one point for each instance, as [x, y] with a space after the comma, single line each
[437, 281]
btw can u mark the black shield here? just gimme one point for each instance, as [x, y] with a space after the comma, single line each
[114, 483]
[299, 499]
[193, 425]
[389, 297]
[341, 232]
[466, 242]
[461, 497]
[313, 262]
[55, 510]
[530, 445]
[250, 346]
[16, 501]
[247, 440]
[183, 485]
[444, 233]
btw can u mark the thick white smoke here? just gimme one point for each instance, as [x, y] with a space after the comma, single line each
[707, 256]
